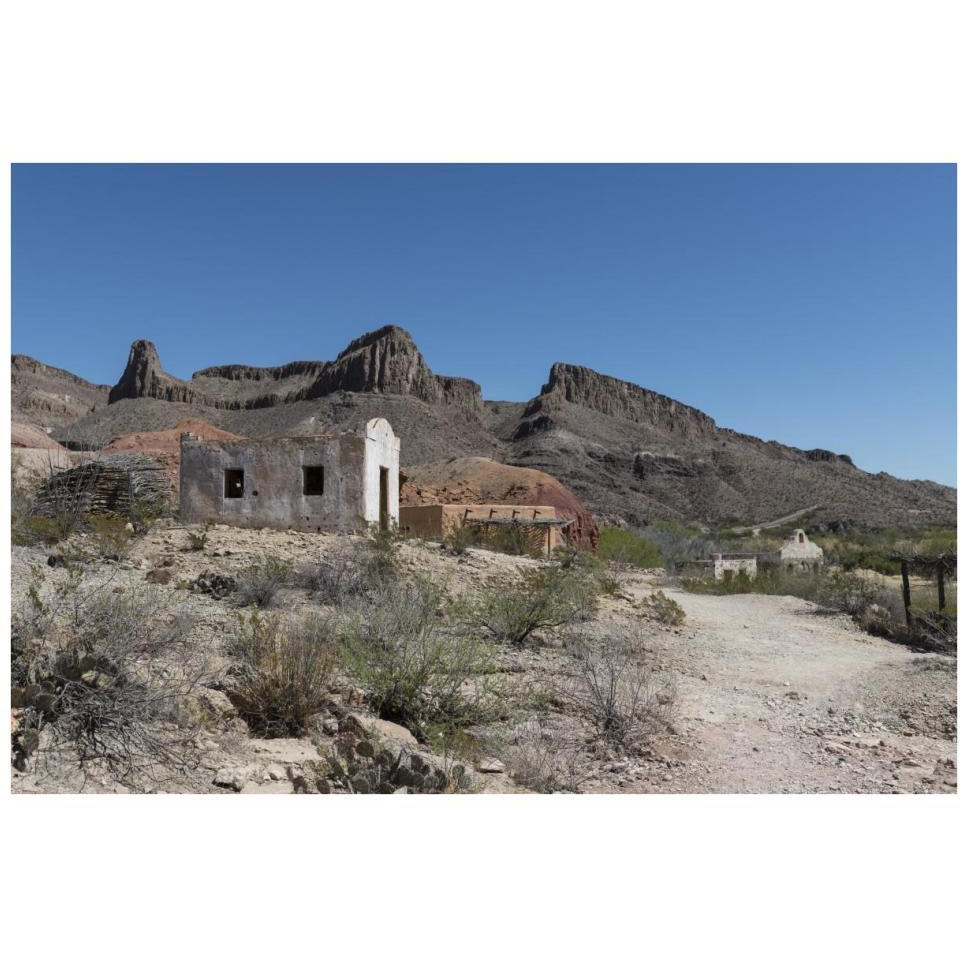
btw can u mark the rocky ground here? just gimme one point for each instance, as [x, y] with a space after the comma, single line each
[770, 695]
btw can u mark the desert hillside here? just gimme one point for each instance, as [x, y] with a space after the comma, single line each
[630, 455]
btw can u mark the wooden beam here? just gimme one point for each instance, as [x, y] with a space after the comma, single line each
[941, 592]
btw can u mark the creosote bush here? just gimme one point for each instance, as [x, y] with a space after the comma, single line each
[541, 599]
[258, 584]
[663, 609]
[284, 672]
[416, 668]
[105, 674]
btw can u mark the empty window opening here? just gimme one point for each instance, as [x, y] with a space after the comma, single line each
[232, 484]
[800, 537]
[312, 481]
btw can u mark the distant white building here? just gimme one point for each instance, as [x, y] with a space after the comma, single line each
[799, 551]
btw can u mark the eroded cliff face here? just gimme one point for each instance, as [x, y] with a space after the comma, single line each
[384, 361]
[613, 398]
[143, 376]
[47, 396]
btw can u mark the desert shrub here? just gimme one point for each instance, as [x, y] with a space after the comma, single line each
[678, 543]
[383, 547]
[111, 535]
[197, 540]
[601, 575]
[346, 570]
[259, 583]
[415, 668]
[615, 688]
[284, 672]
[461, 538]
[628, 546]
[104, 674]
[663, 609]
[547, 761]
[539, 600]
[830, 589]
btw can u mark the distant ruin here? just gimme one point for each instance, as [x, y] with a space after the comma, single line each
[339, 483]
[797, 551]
[800, 551]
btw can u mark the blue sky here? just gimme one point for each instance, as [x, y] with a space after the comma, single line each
[814, 305]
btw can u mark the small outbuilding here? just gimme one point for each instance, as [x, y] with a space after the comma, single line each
[539, 527]
[800, 551]
[339, 483]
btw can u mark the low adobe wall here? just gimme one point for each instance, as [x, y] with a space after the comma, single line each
[438, 520]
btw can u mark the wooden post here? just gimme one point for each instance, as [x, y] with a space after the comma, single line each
[941, 592]
[904, 573]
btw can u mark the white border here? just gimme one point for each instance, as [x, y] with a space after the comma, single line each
[503, 81]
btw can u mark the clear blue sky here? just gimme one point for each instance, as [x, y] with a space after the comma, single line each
[815, 305]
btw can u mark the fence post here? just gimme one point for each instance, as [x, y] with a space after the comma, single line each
[906, 590]
[941, 591]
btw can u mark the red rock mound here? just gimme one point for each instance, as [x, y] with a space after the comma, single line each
[25, 435]
[164, 445]
[480, 480]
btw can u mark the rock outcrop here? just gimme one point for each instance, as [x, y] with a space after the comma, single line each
[385, 361]
[45, 396]
[615, 398]
[144, 377]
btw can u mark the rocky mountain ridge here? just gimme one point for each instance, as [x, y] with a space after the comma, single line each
[383, 361]
[630, 454]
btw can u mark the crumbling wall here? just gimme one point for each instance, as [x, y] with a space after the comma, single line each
[273, 483]
[724, 565]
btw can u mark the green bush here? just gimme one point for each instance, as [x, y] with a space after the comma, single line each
[626, 546]
[415, 668]
[830, 589]
[105, 675]
[663, 609]
[540, 599]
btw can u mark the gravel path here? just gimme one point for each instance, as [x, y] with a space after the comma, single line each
[776, 697]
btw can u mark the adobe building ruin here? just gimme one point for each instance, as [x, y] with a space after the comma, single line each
[800, 551]
[339, 483]
[540, 526]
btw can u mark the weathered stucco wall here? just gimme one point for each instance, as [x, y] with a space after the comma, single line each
[273, 482]
[381, 450]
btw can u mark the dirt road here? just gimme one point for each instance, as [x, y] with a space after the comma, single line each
[776, 697]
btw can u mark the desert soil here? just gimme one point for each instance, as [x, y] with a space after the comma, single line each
[773, 696]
